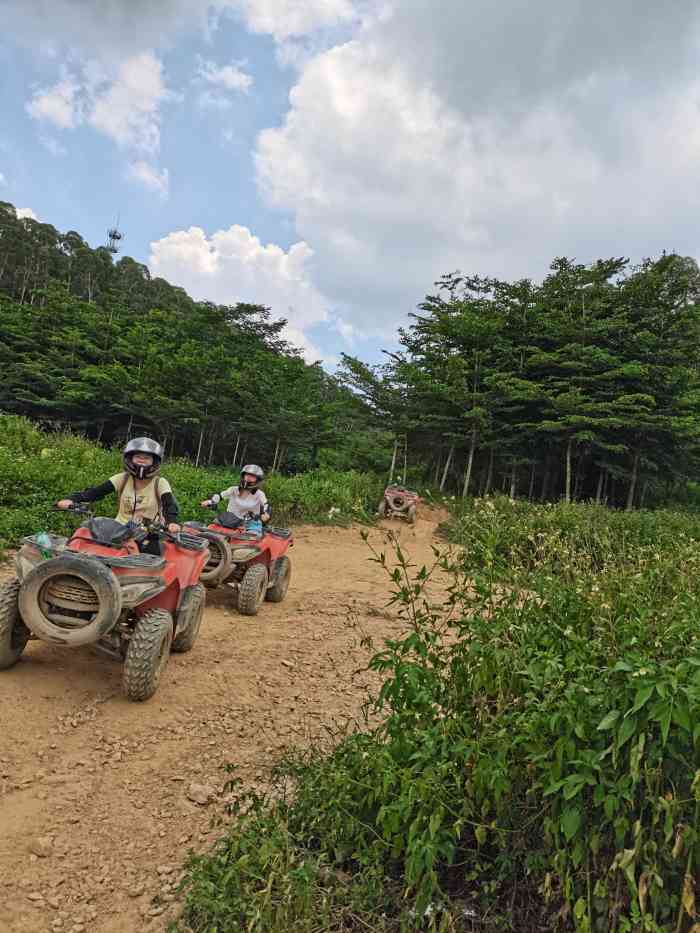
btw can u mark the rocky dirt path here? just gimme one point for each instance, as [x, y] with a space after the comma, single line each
[101, 799]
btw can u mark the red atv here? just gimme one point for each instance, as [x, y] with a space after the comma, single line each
[96, 587]
[399, 501]
[253, 562]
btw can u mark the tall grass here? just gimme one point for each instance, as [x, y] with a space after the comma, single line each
[538, 762]
[37, 468]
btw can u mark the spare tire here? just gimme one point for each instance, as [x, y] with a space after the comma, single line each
[219, 561]
[70, 600]
[398, 503]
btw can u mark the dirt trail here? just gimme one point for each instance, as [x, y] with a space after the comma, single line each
[95, 817]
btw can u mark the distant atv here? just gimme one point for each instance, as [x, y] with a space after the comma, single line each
[248, 557]
[400, 502]
[96, 588]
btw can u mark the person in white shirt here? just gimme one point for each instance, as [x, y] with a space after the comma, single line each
[246, 500]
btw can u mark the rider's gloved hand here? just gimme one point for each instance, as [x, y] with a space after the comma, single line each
[64, 504]
[206, 502]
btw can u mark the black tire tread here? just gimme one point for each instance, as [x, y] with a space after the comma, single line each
[277, 592]
[9, 619]
[186, 639]
[249, 598]
[140, 680]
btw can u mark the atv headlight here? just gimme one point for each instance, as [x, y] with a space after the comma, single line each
[244, 553]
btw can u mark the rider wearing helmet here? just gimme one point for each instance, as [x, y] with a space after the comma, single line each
[246, 500]
[142, 494]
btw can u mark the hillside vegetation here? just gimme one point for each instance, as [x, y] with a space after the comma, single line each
[38, 468]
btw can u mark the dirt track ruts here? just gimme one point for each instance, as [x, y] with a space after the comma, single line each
[100, 784]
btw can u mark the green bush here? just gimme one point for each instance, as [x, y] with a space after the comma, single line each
[37, 468]
[538, 763]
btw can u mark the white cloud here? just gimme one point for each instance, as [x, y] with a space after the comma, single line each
[52, 145]
[482, 141]
[128, 109]
[233, 265]
[26, 212]
[59, 104]
[285, 18]
[228, 77]
[149, 176]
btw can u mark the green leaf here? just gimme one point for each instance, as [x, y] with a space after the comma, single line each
[609, 720]
[570, 822]
[642, 697]
[626, 731]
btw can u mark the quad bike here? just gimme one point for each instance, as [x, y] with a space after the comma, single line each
[399, 501]
[96, 588]
[248, 557]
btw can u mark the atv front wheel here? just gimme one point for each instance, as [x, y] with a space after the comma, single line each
[381, 509]
[411, 515]
[282, 576]
[147, 654]
[219, 562]
[251, 590]
[14, 634]
[191, 620]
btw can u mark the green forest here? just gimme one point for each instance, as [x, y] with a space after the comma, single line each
[581, 387]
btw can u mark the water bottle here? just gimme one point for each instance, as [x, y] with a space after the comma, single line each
[45, 545]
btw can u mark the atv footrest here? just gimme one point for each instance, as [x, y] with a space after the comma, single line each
[280, 532]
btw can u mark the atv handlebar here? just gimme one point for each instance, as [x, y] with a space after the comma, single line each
[76, 507]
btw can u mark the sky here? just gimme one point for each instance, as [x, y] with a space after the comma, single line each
[333, 158]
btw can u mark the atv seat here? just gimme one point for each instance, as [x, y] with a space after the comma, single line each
[110, 533]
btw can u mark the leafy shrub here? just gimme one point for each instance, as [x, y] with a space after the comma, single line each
[37, 468]
[538, 763]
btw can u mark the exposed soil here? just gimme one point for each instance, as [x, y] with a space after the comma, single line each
[95, 809]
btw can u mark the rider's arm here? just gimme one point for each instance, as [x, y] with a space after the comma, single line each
[93, 493]
[224, 494]
[169, 507]
[265, 509]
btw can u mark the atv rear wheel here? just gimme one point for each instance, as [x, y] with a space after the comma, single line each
[192, 613]
[14, 634]
[282, 574]
[147, 654]
[251, 589]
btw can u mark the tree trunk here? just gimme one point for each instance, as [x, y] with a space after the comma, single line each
[512, 481]
[489, 474]
[633, 483]
[470, 463]
[245, 451]
[274, 459]
[532, 483]
[448, 463]
[567, 495]
[645, 489]
[545, 479]
[393, 461]
[235, 453]
[129, 426]
[199, 447]
[599, 490]
[436, 476]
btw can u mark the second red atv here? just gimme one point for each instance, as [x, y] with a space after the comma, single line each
[96, 587]
[253, 562]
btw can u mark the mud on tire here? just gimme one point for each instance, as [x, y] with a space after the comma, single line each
[251, 590]
[147, 654]
[14, 634]
[282, 574]
[193, 610]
